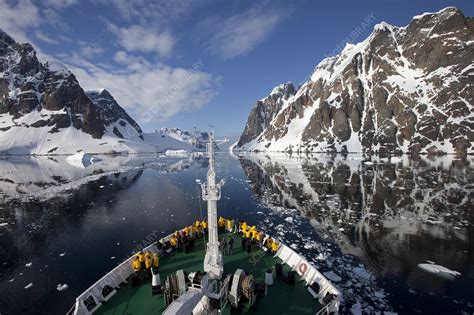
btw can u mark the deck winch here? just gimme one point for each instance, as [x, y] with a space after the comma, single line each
[244, 290]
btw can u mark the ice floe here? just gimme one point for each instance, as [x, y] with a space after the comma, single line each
[332, 276]
[438, 269]
[82, 159]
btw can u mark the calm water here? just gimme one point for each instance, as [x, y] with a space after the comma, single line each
[366, 225]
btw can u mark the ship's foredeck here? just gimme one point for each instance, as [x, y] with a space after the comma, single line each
[281, 297]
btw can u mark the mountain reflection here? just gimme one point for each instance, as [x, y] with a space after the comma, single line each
[392, 214]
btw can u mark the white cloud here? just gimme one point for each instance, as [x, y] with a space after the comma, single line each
[60, 4]
[90, 50]
[239, 34]
[148, 92]
[45, 38]
[159, 12]
[139, 38]
[16, 18]
[52, 17]
[22, 18]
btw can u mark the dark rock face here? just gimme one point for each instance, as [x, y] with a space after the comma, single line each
[404, 89]
[28, 85]
[264, 111]
[111, 113]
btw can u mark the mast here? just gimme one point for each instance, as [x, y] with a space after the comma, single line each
[211, 191]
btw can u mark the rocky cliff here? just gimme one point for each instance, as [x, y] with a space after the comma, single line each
[44, 110]
[402, 90]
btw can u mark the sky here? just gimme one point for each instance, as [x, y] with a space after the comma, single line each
[198, 63]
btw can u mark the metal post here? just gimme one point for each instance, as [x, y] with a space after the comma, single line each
[213, 261]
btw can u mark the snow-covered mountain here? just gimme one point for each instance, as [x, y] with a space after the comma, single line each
[403, 89]
[183, 139]
[197, 138]
[44, 110]
[163, 142]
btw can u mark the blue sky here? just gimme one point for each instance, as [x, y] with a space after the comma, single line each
[197, 63]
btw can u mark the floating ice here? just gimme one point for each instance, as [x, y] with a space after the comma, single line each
[29, 286]
[82, 160]
[176, 152]
[332, 276]
[3, 224]
[62, 287]
[361, 273]
[356, 309]
[438, 269]
[29, 264]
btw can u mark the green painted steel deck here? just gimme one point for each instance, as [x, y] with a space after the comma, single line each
[281, 298]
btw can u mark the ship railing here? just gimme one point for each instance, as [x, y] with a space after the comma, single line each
[92, 298]
[327, 309]
[101, 291]
[310, 274]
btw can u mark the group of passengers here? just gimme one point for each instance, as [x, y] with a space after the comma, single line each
[254, 236]
[145, 261]
[184, 239]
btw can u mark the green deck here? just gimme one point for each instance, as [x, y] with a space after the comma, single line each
[281, 297]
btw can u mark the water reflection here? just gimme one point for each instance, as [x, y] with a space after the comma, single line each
[389, 215]
[392, 214]
[62, 224]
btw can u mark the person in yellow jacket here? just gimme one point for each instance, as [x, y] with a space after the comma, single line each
[156, 260]
[141, 258]
[194, 232]
[275, 247]
[269, 243]
[148, 260]
[260, 236]
[173, 241]
[229, 225]
[244, 227]
[200, 230]
[204, 226]
[136, 264]
[254, 234]
[187, 230]
[248, 234]
[221, 223]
